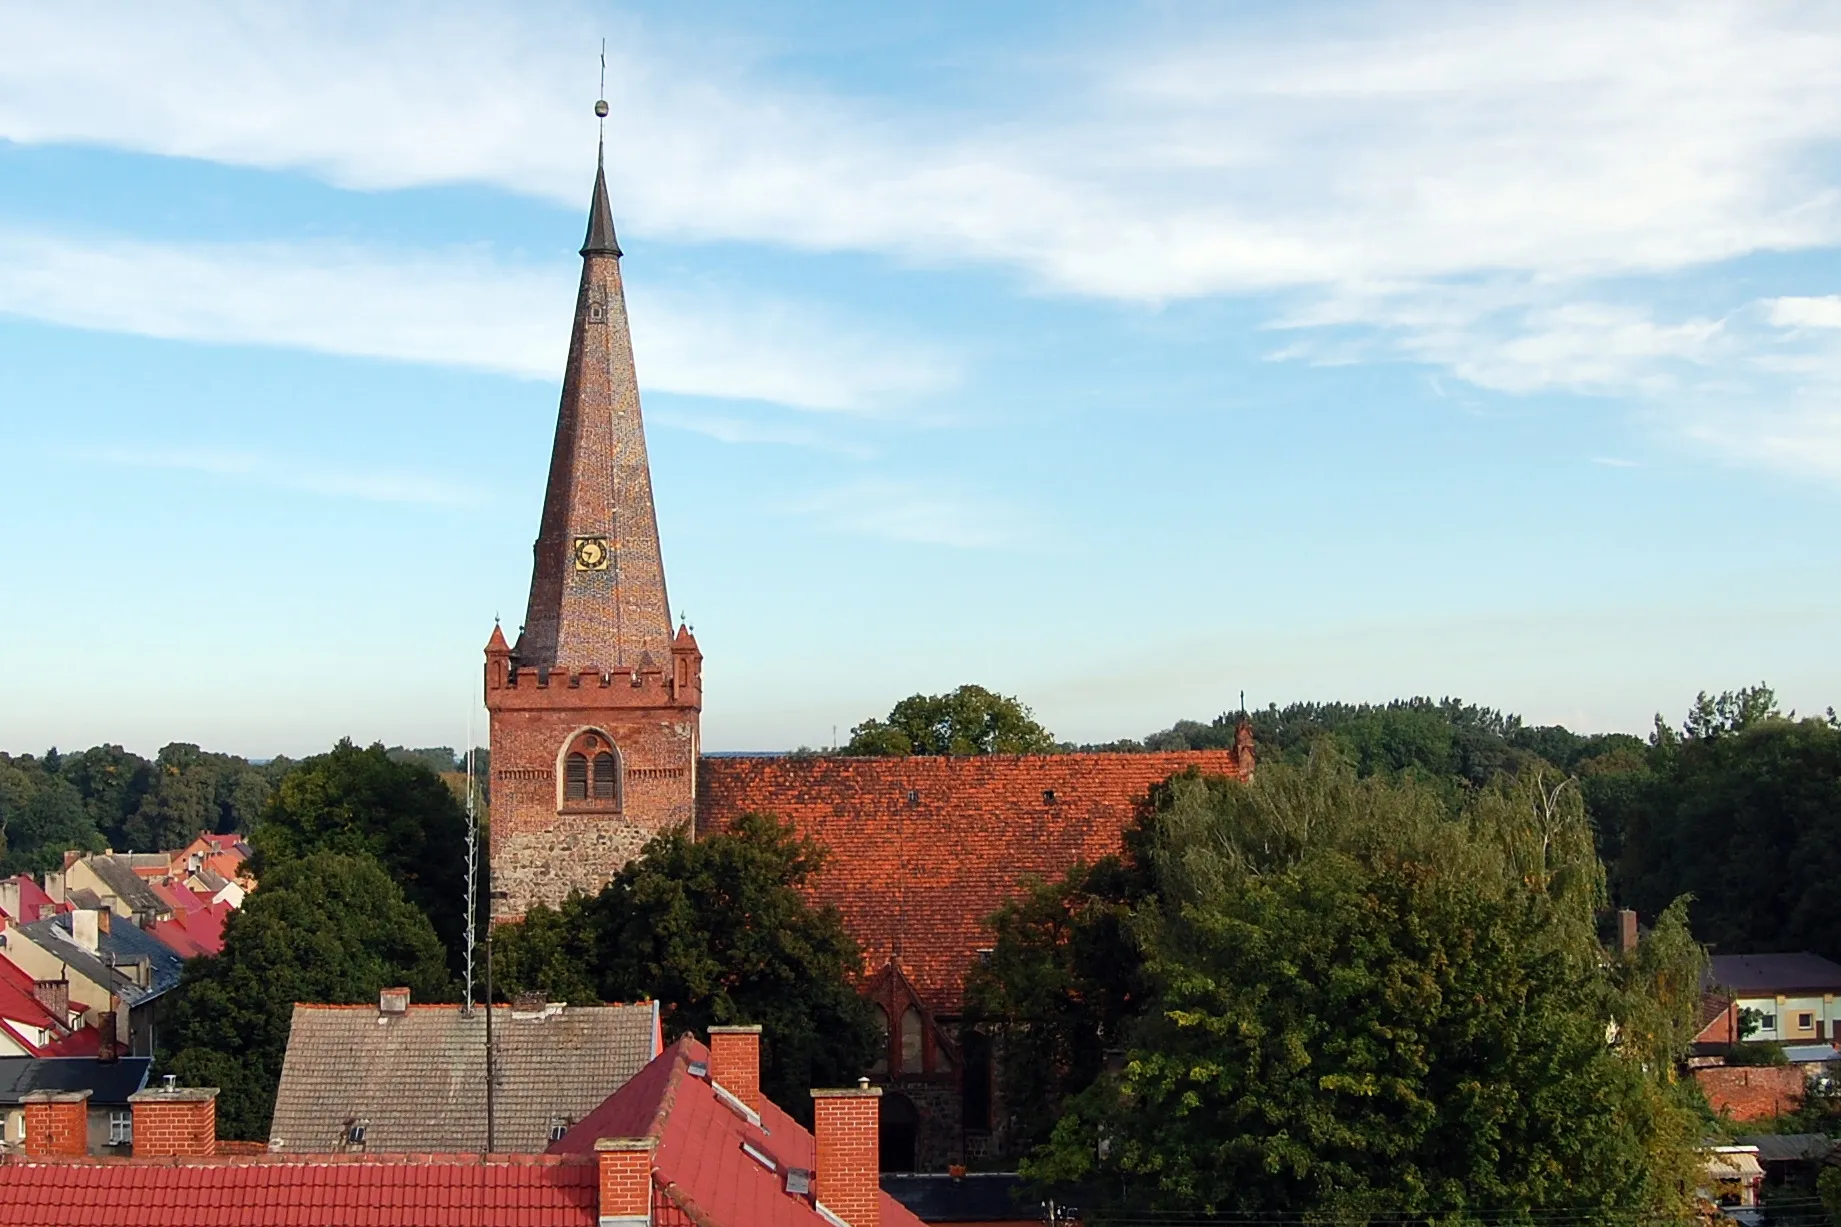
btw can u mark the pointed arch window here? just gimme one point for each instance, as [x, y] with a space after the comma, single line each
[882, 1030]
[606, 776]
[575, 777]
[912, 1041]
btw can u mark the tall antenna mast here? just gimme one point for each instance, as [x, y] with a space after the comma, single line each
[472, 863]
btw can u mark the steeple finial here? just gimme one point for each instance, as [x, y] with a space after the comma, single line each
[601, 240]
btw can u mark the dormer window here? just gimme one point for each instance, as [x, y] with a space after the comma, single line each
[559, 1125]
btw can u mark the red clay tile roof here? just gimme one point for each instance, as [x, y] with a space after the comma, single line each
[31, 897]
[700, 1167]
[19, 1005]
[923, 850]
[195, 932]
[291, 1191]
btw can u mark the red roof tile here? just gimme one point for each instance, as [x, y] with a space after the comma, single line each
[289, 1191]
[923, 850]
[31, 896]
[700, 1161]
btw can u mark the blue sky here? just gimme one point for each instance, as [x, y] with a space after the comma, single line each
[1118, 357]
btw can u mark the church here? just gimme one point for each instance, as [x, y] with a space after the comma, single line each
[595, 714]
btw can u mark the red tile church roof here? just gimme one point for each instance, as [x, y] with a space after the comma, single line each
[924, 849]
[293, 1191]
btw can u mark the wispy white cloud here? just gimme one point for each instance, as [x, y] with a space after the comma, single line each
[1617, 462]
[1450, 185]
[258, 469]
[455, 308]
[1241, 151]
[912, 511]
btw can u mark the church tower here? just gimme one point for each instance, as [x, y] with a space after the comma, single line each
[594, 711]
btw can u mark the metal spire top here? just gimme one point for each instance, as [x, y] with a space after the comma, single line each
[601, 240]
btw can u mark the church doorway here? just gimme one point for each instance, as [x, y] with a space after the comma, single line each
[899, 1132]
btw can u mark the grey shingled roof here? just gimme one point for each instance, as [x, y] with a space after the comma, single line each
[1774, 973]
[108, 1082]
[1789, 1147]
[125, 944]
[117, 873]
[418, 1080]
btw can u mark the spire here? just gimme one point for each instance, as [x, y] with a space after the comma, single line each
[598, 579]
[600, 240]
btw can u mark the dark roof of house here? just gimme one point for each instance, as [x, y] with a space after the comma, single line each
[1789, 1147]
[700, 1163]
[117, 873]
[106, 1081]
[925, 849]
[418, 1079]
[1774, 973]
[288, 1191]
[124, 944]
[978, 1197]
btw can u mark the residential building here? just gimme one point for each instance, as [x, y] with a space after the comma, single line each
[403, 1077]
[22, 898]
[691, 1139]
[222, 855]
[688, 1140]
[35, 1018]
[103, 1086]
[116, 882]
[116, 974]
[1792, 995]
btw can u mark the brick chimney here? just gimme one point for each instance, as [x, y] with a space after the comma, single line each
[177, 1120]
[626, 1181]
[1626, 929]
[57, 1124]
[54, 995]
[735, 1063]
[847, 1124]
[393, 1001]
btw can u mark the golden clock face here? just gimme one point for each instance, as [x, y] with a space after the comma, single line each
[591, 553]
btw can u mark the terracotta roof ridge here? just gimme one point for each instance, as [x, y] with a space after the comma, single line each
[688, 1204]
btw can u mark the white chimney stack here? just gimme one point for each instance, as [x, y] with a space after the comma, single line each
[83, 929]
[393, 1001]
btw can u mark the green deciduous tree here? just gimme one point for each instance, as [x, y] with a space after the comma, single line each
[1354, 1002]
[327, 928]
[41, 817]
[363, 802]
[717, 930]
[1744, 813]
[970, 720]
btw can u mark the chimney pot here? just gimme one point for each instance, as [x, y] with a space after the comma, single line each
[735, 1063]
[847, 1124]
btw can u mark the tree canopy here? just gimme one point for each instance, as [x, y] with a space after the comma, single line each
[366, 802]
[328, 927]
[718, 931]
[1322, 992]
[970, 720]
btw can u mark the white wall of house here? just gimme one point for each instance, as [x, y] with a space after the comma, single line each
[1794, 1020]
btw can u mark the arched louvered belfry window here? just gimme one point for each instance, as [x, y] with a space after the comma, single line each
[575, 778]
[606, 776]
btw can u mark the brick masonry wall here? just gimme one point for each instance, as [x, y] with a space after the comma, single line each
[735, 1063]
[179, 1126]
[1752, 1092]
[58, 1128]
[625, 1181]
[849, 1169]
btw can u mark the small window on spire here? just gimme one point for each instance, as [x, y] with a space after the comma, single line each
[596, 313]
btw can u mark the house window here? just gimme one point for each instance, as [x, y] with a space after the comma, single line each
[121, 1126]
[911, 1041]
[604, 770]
[559, 1125]
[1805, 1022]
[575, 778]
[1767, 1022]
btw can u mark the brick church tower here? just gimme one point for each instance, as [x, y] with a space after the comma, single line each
[594, 711]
